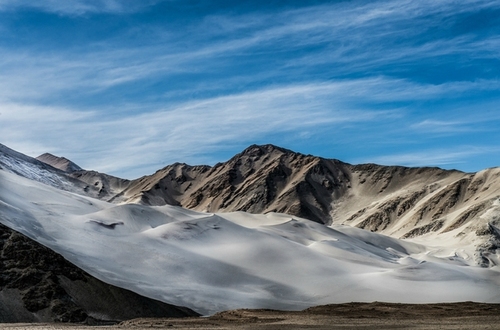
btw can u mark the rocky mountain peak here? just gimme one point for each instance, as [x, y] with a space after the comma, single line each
[259, 150]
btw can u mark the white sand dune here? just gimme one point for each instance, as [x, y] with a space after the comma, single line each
[215, 262]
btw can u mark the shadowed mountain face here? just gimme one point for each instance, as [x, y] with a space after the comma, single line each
[398, 201]
[39, 285]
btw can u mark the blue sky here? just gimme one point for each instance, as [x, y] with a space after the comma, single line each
[126, 87]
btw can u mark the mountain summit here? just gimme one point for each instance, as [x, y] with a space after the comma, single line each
[258, 180]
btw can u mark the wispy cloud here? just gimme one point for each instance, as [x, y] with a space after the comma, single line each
[182, 133]
[351, 38]
[353, 73]
[435, 157]
[78, 7]
[441, 126]
[189, 131]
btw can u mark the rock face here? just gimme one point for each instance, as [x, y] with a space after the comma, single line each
[94, 184]
[38, 285]
[260, 179]
[62, 173]
[426, 204]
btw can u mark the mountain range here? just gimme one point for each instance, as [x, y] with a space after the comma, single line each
[424, 220]
[398, 201]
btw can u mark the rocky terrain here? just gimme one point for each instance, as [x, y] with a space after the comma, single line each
[398, 201]
[375, 315]
[467, 316]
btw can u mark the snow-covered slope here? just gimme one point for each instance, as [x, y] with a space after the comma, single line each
[214, 262]
[31, 168]
[61, 173]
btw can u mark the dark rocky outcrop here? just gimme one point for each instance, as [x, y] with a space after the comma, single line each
[39, 285]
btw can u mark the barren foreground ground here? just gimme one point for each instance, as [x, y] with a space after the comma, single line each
[376, 315]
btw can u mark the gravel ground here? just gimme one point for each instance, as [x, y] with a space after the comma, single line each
[344, 316]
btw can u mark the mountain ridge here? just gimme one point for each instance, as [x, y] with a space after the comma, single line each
[403, 202]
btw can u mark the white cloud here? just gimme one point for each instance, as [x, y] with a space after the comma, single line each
[442, 126]
[359, 38]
